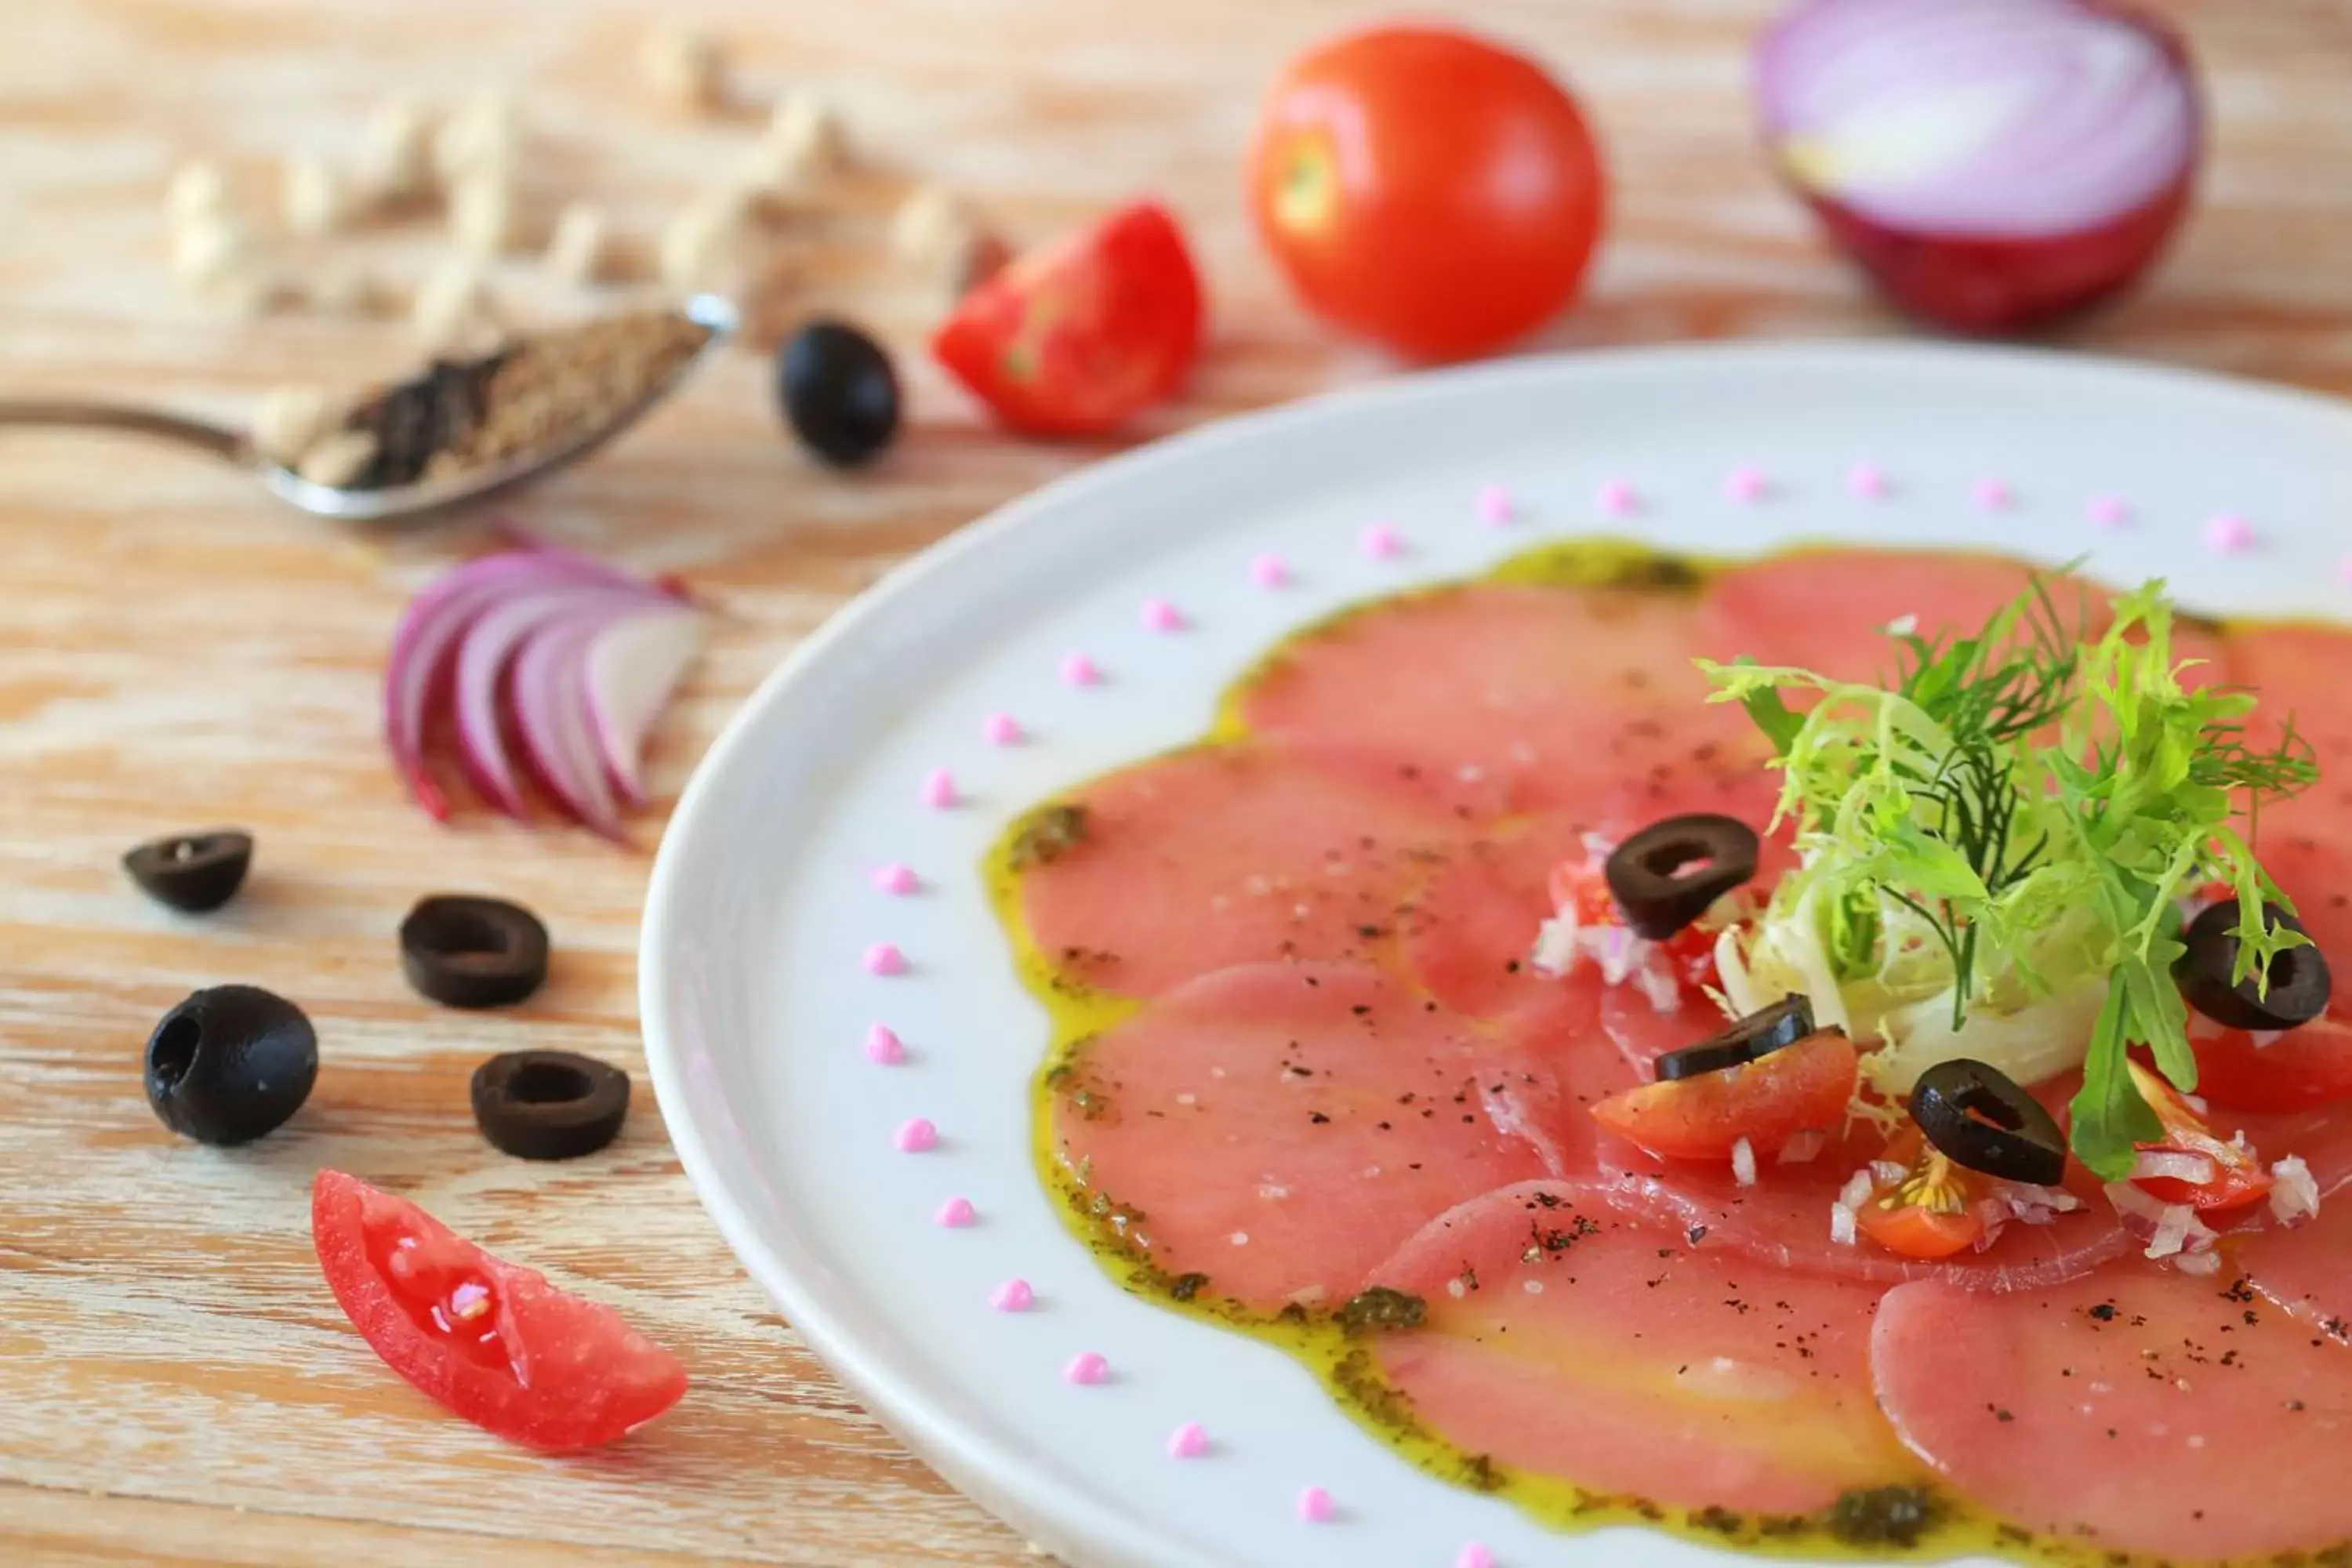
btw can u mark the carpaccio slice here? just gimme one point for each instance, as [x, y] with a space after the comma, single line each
[1232, 854]
[2298, 671]
[1281, 1127]
[2308, 1268]
[2135, 1410]
[1562, 1339]
[1556, 697]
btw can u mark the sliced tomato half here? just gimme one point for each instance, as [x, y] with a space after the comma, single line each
[2238, 1177]
[492, 1341]
[1075, 337]
[1929, 1212]
[1802, 1088]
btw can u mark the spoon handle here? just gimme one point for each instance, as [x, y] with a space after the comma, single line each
[213, 438]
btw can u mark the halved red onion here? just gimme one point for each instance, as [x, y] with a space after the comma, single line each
[504, 645]
[1993, 164]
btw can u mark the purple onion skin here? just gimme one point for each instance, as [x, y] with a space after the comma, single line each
[2007, 288]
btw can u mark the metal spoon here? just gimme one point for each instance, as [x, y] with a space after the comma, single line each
[393, 502]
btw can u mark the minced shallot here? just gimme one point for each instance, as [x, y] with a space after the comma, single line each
[2172, 1165]
[2295, 1192]
[1743, 1163]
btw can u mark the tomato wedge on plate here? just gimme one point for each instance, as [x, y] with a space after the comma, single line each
[1072, 338]
[2293, 1071]
[1799, 1088]
[2236, 1176]
[1929, 1212]
[490, 1339]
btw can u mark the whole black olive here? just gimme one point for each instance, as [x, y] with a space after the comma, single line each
[1760, 1033]
[1978, 1117]
[230, 1063]
[2298, 983]
[1666, 875]
[549, 1105]
[465, 952]
[193, 872]
[839, 392]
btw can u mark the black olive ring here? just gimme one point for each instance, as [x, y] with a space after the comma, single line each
[1977, 1116]
[1759, 1033]
[2297, 987]
[465, 952]
[195, 873]
[549, 1105]
[1668, 874]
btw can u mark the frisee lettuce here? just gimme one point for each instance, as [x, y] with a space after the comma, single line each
[2020, 810]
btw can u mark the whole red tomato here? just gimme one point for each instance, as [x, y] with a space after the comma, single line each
[1426, 189]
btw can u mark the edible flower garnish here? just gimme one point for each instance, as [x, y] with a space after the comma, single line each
[1994, 850]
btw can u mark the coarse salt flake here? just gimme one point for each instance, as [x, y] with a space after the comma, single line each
[1743, 1163]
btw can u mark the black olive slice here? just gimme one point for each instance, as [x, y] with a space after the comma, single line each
[1759, 1033]
[549, 1105]
[2298, 980]
[465, 952]
[1666, 875]
[195, 873]
[230, 1063]
[1978, 1117]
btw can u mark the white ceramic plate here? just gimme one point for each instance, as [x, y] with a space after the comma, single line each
[757, 1002]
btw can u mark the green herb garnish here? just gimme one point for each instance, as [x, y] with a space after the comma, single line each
[2011, 823]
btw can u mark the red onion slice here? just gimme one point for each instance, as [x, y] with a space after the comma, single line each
[497, 637]
[550, 711]
[631, 667]
[1991, 161]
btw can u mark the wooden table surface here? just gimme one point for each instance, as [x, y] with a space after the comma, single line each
[175, 1382]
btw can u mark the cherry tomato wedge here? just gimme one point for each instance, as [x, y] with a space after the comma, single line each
[2238, 1177]
[2293, 1071]
[1931, 1211]
[1074, 337]
[1426, 188]
[1803, 1087]
[492, 1341]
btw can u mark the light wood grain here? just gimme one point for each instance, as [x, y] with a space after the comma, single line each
[175, 1383]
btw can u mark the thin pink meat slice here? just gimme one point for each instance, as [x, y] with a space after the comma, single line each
[1784, 1220]
[1550, 696]
[1281, 1127]
[2298, 672]
[1565, 1341]
[1226, 854]
[2137, 1410]
[1827, 610]
[2307, 1270]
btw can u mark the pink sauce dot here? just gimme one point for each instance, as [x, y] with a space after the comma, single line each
[1188, 1442]
[1087, 1368]
[896, 877]
[1381, 542]
[1077, 669]
[2230, 533]
[1269, 571]
[884, 958]
[1494, 505]
[915, 1136]
[956, 1213]
[2107, 511]
[1615, 498]
[883, 1047]
[1992, 495]
[1744, 484]
[1474, 1555]
[1868, 480]
[939, 790]
[1159, 615]
[1013, 1296]
[1001, 729]
[2344, 570]
[1314, 1506]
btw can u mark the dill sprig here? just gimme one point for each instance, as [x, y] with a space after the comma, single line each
[2037, 799]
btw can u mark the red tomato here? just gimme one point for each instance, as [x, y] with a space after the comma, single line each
[2238, 1176]
[1803, 1087]
[1426, 189]
[2302, 1067]
[1583, 884]
[493, 1341]
[1930, 1212]
[1074, 337]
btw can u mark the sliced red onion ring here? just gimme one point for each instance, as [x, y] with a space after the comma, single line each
[1992, 162]
[496, 639]
[550, 711]
[632, 666]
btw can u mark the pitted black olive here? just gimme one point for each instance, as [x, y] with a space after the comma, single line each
[2297, 986]
[195, 873]
[230, 1063]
